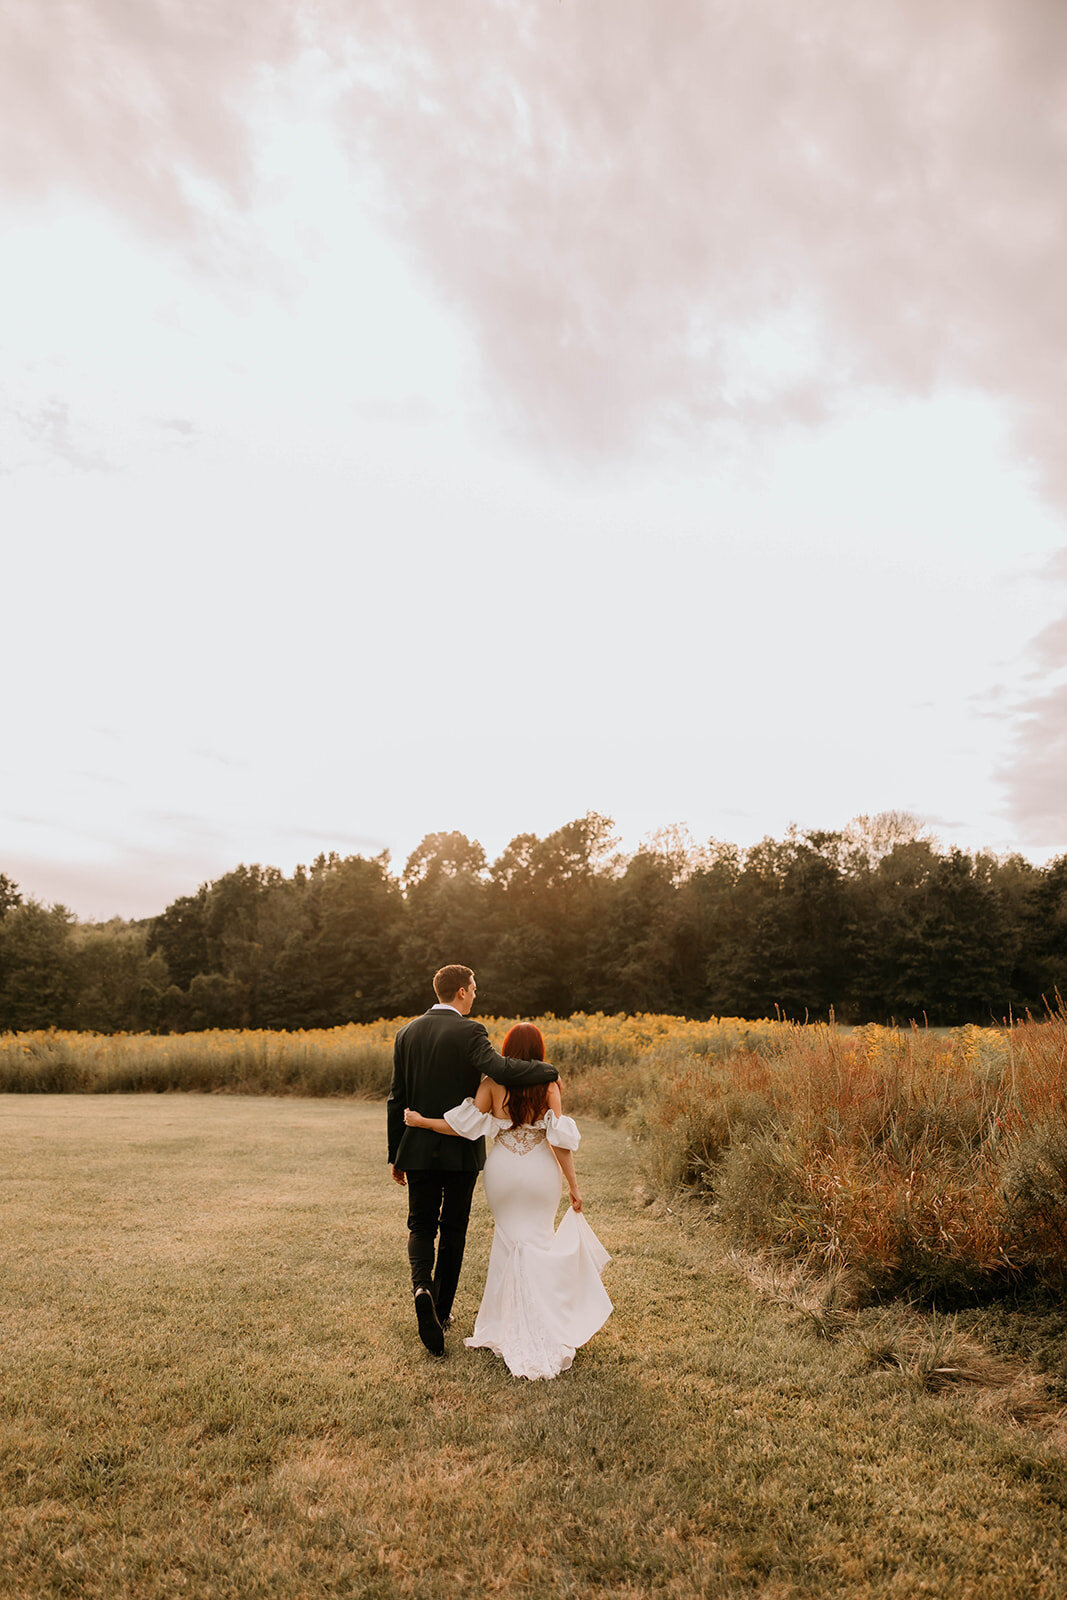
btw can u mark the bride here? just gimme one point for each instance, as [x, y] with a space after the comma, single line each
[543, 1295]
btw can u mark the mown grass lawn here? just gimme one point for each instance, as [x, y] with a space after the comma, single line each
[211, 1386]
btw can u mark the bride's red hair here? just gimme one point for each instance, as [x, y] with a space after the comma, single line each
[525, 1042]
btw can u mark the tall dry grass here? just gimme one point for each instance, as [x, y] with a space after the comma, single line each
[607, 1061]
[934, 1165]
[356, 1060]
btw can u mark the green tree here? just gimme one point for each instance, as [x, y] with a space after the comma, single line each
[180, 935]
[236, 929]
[341, 955]
[545, 905]
[1043, 953]
[118, 985]
[445, 919]
[969, 948]
[649, 955]
[786, 947]
[37, 969]
[935, 938]
[9, 895]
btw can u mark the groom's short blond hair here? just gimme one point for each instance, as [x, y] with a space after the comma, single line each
[449, 981]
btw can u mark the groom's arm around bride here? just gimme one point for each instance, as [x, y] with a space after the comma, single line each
[438, 1060]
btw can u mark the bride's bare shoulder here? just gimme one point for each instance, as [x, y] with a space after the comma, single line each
[500, 1094]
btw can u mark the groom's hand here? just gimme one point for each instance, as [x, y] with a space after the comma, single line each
[398, 1176]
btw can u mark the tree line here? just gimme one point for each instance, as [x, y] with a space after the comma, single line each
[875, 922]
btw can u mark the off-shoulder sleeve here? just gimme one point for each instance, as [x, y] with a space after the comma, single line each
[467, 1120]
[562, 1131]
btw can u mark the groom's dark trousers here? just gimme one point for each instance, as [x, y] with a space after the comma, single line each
[438, 1061]
[438, 1202]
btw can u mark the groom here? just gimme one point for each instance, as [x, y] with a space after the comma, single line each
[438, 1060]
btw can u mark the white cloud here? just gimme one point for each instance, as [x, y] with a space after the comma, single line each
[607, 195]
[769, 295]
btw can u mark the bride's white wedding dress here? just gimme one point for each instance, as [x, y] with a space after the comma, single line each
[543, 1295]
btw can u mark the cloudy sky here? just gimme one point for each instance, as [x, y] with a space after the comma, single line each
[419, 416]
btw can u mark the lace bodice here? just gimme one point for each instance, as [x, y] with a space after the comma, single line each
[473, 1124]
[522, 1139]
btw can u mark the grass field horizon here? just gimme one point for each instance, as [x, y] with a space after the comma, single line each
[212, 1385]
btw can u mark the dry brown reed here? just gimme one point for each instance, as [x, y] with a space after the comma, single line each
[935, 1164]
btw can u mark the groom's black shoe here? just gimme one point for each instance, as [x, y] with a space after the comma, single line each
[443, 1317]
[430, 1331]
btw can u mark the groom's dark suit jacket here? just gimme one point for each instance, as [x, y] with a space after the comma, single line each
[438, 1060]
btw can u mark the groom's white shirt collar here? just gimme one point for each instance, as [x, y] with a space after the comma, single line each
[445, 1005]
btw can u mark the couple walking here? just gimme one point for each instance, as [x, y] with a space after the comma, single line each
[543, 1295]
